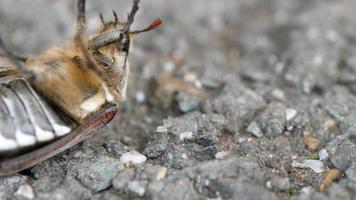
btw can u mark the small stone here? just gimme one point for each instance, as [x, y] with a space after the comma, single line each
[186, 135]
[9, 184]
[279, 94]
[25, 191]
[187, 102]
[168, 66]
[121, 180]
[161, 173]
[348, 125]
[316, 165]
[98, 175]
[254, 129]
[115, 147]
[279, 184]
[329, 178]
[343, 154]
[328, 124]
[312, 143]
[222, 154]
[137, 188]
[133, 157]
[190, 77]
[272, 120]
[210, 83]
[323, 154]
[269, 185]
[290, 113]
[140, 97]
[161, 129]
[184, 156]
[307, 190]
[237, 103]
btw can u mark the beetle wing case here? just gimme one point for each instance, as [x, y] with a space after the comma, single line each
[28, 124]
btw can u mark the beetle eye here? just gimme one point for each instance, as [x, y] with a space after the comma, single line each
[125, 44]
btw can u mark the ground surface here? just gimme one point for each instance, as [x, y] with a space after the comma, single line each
[247, 99]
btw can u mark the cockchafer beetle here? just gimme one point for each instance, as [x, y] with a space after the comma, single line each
[57, 99]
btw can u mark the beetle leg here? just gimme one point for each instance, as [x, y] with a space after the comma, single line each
[20, 58]
[103, 59]
[15, 59]
[81, 25]
[81, 20]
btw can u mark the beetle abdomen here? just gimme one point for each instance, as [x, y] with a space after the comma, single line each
[25, 120]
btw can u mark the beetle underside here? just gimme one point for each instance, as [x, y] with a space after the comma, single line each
[31, 131]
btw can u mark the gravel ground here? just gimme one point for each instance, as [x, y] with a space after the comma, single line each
[233, 99]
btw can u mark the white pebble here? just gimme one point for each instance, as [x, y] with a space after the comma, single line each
[269, 184]
[279, 94]
[133, 157]
[184, 156]
[316, 165]
[290, 113]
[169, 66]
[140, 97]
[161, 129]
[186, 135]
[323, 154]
[190, 77]
[161, 173]
[25, 191]
[307, 190]
[137, 188]
[222, 154]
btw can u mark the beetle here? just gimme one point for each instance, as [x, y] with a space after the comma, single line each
[60, 97]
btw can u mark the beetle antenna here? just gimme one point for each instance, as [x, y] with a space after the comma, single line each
[131, 15]
[152, 26]
[115, 17]
[102, 18]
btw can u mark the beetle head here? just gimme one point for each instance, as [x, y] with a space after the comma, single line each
[115, 36]
[111, 47]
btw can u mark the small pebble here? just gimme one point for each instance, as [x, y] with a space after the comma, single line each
[312, 143]
[323, 154]
[137, 188]
[169, 66]
[140, 97]
[186, 135]
[329, 178]
[25, 191]
[133, 157]
[307, 190]
[316, 165]
[279, 94]
[190, 77]
[184, 156]
[222, 154]
[328, 124]
[254, 129]
[290, 113]
[279, 183]
[161, 173]
[161, 129]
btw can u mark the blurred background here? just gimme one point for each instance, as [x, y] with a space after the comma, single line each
[245, 60]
